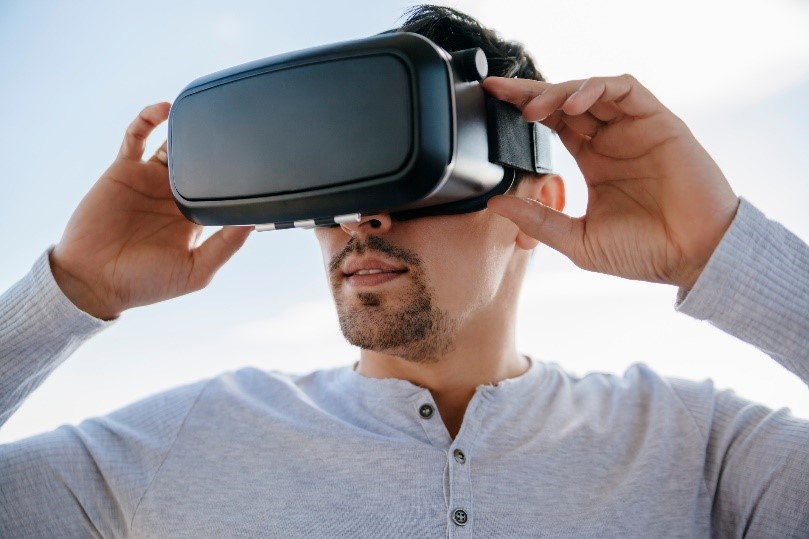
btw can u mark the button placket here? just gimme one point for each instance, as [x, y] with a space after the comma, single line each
[460, 491]
[460, 510]
[427, 415]
[460, 485]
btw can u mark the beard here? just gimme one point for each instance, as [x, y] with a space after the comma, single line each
[409, 325]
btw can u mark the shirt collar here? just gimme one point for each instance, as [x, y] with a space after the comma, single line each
[348, 380]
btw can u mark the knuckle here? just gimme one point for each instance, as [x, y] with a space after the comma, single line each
[143, 116]
[526, 98]
[592, 82]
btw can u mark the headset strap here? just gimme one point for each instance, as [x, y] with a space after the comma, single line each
[515, 143]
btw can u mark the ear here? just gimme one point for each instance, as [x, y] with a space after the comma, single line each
[549, 189]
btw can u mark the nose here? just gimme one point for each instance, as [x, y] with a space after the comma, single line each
[378, 223]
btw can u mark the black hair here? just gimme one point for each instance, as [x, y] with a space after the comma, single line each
[453, 31]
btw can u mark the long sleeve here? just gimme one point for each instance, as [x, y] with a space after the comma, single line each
[39, 329]
[76, 481]
[88, 480]
[755, 287]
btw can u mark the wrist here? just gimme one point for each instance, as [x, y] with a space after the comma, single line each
[689, 278]
[83, 296]
[711, 241]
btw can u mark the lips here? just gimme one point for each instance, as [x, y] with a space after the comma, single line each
[374, 271]
[370, 266]
[364, 272]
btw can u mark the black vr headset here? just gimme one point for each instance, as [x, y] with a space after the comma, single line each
[391, 123]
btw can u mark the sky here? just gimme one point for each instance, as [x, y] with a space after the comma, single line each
[75, 74]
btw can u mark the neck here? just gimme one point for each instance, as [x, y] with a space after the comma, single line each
[482, 353]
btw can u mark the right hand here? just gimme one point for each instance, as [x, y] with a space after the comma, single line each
[127, 244]
[657, 204]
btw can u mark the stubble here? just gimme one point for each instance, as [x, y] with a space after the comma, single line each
[408, 325]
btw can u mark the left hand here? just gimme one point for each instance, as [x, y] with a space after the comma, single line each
[657, 206]
[127, 244]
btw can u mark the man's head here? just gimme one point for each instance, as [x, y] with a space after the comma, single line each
[455, 31]
[414, 288]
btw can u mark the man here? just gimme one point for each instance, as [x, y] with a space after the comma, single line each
[442, 427]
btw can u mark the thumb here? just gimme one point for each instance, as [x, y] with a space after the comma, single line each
[216, 250]
[551, 227]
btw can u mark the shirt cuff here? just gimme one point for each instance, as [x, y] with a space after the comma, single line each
[47, 306]
[756, 287]
[728, 272]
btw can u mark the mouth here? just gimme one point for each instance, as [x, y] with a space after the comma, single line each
[373, 272]
[369, 272]
[361, 279]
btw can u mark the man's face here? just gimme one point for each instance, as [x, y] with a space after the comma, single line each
[409, 288]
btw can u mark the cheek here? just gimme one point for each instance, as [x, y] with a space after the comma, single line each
[469, 272]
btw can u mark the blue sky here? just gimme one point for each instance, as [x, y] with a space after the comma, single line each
[74, 74]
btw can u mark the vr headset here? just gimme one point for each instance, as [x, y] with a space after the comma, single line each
[391, 123]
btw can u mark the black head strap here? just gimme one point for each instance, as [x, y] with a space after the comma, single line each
[513, 143]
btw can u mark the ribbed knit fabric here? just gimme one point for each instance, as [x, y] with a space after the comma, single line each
[39, 329]
[756, 286]
[336, 454]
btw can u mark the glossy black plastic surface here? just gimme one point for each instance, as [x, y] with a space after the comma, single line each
[355, 127]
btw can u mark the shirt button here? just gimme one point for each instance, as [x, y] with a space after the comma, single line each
[459, 456]
[426, 411]
[460, 517]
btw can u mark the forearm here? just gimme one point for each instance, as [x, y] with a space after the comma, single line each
[39, 328]
[756, 287]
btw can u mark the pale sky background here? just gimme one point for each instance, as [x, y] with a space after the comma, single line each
[75, 73]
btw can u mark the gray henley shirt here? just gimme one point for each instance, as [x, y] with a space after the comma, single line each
[336, 454]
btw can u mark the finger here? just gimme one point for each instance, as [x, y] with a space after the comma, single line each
[135, 137]
[572, 140]
[550, 100]
[160, 155]
[215, 251]
[536, 99]
[595, 166]
[606, 112]
[518, 92]
[584, 124]
[630, 96]
[553, 228]
[196, 234]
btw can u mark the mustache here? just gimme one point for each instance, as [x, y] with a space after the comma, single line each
[373, 244]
